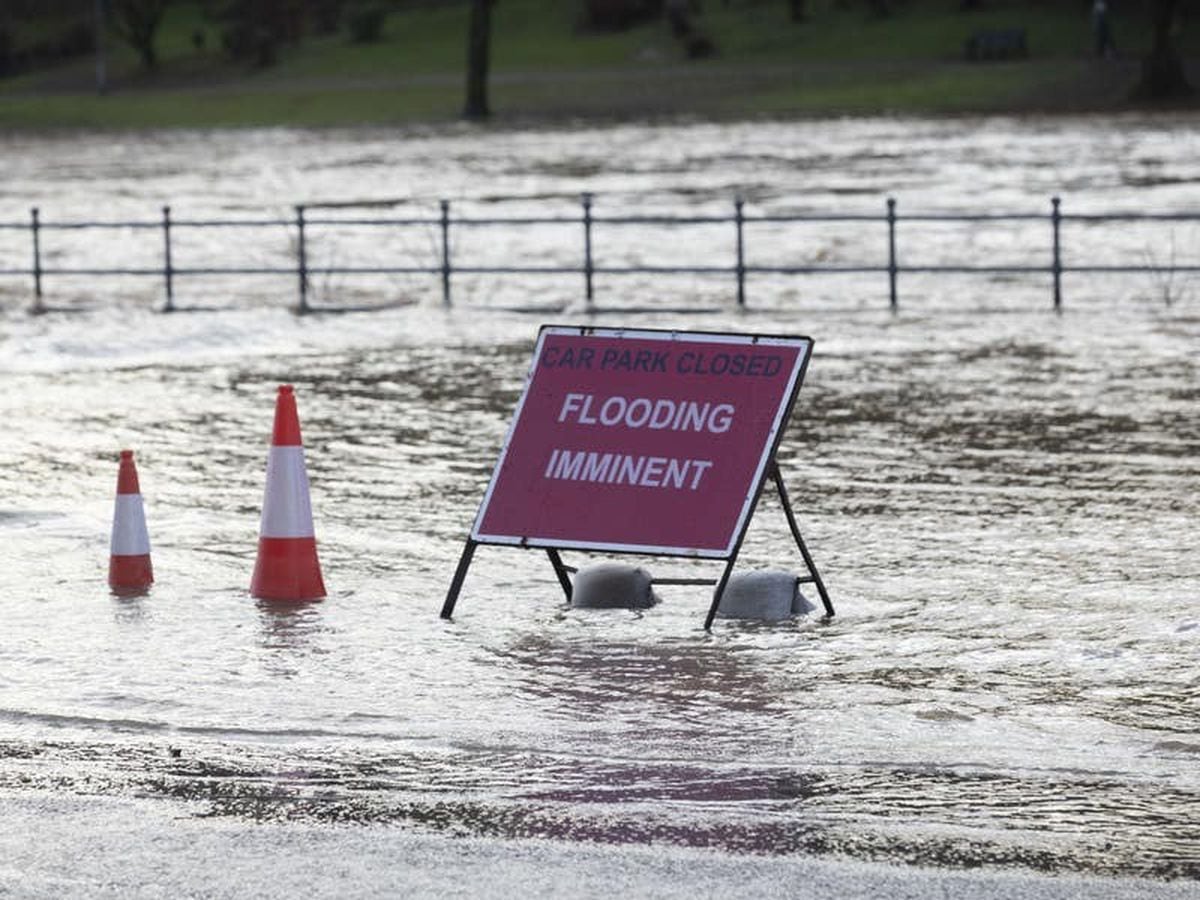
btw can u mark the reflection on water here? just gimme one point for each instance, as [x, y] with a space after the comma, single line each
[1001, 504]
[130, 610]
[289, 625]
[289, 630]
[593, 677]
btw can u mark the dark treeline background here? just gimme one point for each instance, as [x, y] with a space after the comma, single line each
[40, 34]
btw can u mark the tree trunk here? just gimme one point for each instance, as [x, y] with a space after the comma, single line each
[479, 33]
[796, 9]
[136, 22]
[1163, 77]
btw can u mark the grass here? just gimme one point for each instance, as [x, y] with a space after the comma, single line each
[954, 89]
[840, 61]
[316, 107]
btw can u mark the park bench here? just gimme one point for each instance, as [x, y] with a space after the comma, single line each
[997, 43]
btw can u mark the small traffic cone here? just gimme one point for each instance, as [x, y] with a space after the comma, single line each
[287, 566]
[129, 569]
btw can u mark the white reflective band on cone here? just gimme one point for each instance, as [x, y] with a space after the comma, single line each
[287, 510]
[129, 537]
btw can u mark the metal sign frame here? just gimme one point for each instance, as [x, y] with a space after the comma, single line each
[767, 469]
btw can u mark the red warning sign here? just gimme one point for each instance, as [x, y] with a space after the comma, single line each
[641, 440]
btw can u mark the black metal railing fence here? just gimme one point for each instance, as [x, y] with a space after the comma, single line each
[443, 267]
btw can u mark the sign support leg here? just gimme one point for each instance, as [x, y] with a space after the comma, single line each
[561, 571]
[791, 518]
[716, 600]
[460, 575]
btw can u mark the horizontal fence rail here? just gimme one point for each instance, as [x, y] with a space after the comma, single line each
[300, 228]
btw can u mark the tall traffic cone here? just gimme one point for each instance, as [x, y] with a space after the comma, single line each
[129, 569]
[287, 566]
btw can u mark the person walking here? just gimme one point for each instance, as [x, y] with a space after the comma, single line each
[1106, 48]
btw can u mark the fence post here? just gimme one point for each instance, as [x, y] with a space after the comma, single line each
[445, 253]
[586, 199]
[1056, 219]
[301, 260]
[168, 269]
[739, 219]
[892, 267]
[35, 227]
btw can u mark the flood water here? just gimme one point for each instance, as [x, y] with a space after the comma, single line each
[1002, 502]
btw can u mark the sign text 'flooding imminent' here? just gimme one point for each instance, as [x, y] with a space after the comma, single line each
[641, 440]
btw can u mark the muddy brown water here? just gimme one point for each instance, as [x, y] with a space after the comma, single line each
[1002, 501]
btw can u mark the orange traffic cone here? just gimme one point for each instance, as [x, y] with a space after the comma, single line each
[129, 569]
[287, 566]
